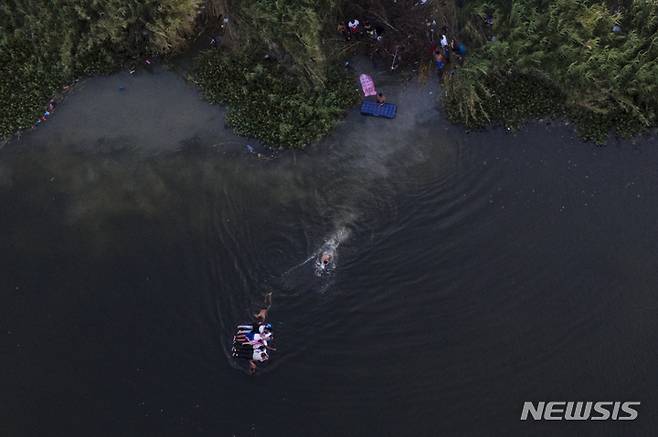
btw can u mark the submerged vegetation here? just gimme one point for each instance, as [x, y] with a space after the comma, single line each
[577, 58]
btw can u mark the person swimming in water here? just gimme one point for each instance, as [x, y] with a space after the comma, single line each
[253, 355]
[258, 356]
[261, 315]
[251, 343]
[325, 261]
[258, 335]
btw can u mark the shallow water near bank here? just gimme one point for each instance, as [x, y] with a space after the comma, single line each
[474, 272]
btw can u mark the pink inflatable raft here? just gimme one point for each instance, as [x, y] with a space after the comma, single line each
[367, 85]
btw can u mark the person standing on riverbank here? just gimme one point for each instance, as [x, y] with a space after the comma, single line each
[440, 62]
[342, 29]
[459, 49]
[354, 26]
[368, 29]
[445, 45]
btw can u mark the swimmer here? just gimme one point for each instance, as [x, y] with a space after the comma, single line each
[253, 354]
[325, 259]
[325, 262]
[265, 329]
[260, 356]
[253, 338]
[261, 315]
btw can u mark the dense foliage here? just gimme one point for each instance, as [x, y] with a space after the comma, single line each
[293, 30]
[46, 43]
[265, 100]
[527, 58]
[408, 28]
[560, 57]
[298, 94]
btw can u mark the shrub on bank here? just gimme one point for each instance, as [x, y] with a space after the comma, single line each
[478, 99]
[574, 57]
[267, 102]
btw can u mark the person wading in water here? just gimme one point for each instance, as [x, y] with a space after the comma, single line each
[261, 315]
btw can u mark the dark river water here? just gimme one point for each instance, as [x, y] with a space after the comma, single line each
[474, 272]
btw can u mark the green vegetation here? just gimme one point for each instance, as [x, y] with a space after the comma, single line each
[266, 101]
[298, 94]
[289, 101]
[408, 28]
[548, 58]
[45, 44]
[559, 57]
[278, 70]
[292, 31]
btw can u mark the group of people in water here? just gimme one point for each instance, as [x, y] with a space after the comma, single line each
[251, 341]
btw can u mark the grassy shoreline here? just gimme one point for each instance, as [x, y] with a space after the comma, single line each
[582, 60]
[45, 45]
[574, 59]
[267, 102]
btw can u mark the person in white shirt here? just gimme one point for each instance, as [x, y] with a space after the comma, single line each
[259, 355]
[353, 25]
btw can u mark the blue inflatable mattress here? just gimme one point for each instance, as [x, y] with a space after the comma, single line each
[387, 110]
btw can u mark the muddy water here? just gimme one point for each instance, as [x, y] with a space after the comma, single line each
[473, 272]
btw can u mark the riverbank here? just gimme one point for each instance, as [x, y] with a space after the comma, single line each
[146, 112]
[588, 61]
[267, 102]
[159, 111]
[43, 47]
[290, 94]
